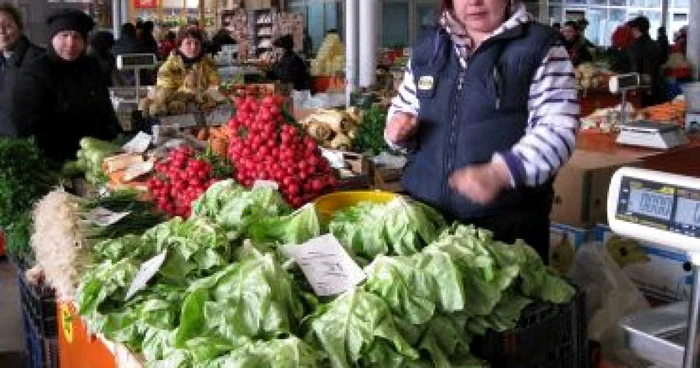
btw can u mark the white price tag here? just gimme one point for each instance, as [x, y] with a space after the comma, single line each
[103, 217]
[220, 115]
[266, 184]
[181, 121]
[138, 169]
[138, 144]
[327, 265]
[146, 272]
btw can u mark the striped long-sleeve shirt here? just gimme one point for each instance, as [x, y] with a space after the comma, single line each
[553, 117]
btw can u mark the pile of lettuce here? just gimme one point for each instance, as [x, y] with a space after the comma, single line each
[228, 295]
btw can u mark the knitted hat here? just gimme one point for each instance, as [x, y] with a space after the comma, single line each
[70, 20]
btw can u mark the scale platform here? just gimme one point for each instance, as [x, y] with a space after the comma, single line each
[651, 134]
[659, 335]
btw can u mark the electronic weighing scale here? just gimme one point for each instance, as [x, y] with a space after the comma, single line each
[642, 133]
[665, 209]
[651, 135]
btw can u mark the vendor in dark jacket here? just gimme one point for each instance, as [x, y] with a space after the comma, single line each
[645, 59]
[60, 97]
[575, 44]
[16, 51]
[290, 68]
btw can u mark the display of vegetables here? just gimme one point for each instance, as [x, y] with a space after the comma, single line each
[183, 177]
[334, 129]
[225, 298]
[25, 176]
[369, 137]
[165, 102]
[90, 157]
[265, 146]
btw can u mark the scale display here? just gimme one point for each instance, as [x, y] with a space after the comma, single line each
[658, 205]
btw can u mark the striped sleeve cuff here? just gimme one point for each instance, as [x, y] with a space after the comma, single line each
[515, 167]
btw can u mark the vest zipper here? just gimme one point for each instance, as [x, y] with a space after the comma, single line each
[452, 140]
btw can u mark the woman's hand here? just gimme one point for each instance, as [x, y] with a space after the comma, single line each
[400, 127]
[481, 183]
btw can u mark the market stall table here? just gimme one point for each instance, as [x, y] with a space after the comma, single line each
[681, 160]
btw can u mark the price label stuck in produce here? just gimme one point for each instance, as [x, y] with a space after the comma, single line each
[146, 272]
[103, 217]
[327, 266]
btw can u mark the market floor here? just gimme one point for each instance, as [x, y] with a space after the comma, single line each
[12, 346]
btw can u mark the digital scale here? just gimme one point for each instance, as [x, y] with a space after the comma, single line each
[651, 134]
[136, 62]
[642, 133]
[664, 209]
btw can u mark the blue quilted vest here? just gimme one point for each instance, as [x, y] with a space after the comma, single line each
[468, 114]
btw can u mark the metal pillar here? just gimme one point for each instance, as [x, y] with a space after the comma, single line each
[368, 32]
[351, 47]
[693, 52]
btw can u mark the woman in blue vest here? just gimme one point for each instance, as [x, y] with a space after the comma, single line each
[488, 112]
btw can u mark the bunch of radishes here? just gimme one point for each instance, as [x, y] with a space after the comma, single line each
[264, 146]
[179, 180]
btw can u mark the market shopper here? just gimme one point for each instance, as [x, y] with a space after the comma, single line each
[645, 59]
[188, 66]
[60, 97]
[99, 48]
[488, 113]
[575, 44]
[618, 53]
[290, 68]
[16, 52]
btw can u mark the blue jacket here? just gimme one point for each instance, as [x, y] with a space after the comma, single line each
[466, 115]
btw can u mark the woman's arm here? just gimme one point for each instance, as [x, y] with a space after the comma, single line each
[170, 74]
[553, 120]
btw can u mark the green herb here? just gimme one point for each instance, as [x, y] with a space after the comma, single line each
[370, 134]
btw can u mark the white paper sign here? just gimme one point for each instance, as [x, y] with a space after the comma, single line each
[103, 217]
[182, 121]
[220, 115]
[138, 144]
[146, 272]
[327, 265]
[266, 184]
[138, 169]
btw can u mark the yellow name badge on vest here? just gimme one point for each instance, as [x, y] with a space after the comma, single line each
[426, 83]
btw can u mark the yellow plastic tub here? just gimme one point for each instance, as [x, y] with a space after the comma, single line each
[327, 204]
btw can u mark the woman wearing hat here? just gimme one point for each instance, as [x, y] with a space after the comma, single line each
[16, 51]
[188, 67]
[61, 97]
[290, 68]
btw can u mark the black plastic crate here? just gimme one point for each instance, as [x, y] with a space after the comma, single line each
[41, 351]
[547, 336]
[40, 303]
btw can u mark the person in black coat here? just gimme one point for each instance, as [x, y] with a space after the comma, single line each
[16, 51]
[100, 45]
[575, 44]
[129, 43]
[664, 44]
[60, 97]
[221, 38]
[645, 59]
[290, 68]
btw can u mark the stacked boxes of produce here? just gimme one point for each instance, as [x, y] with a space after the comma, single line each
[39, 320]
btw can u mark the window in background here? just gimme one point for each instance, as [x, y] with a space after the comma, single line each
[681, 4]
[395, 32]
[426, 17]
[618, 2]
[598, 2]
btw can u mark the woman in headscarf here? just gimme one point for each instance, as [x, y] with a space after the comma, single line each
[61, 97]
[488, 112]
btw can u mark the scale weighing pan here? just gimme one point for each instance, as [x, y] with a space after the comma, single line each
[651, 134]
[664, 209]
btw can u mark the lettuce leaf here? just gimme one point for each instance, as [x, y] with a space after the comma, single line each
[358, 328]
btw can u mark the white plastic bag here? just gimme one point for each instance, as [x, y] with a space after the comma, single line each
[610, 295]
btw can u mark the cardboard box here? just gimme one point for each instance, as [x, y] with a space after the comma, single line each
[658, 272]
[564, 241]
[581, 187]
